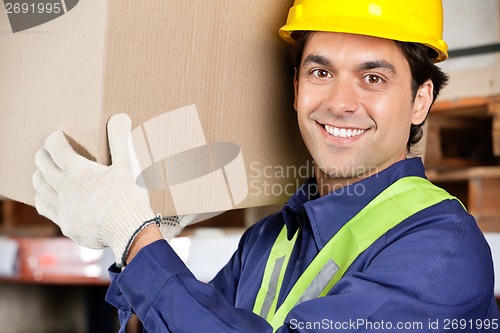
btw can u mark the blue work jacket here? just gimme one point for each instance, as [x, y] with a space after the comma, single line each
[431, 273]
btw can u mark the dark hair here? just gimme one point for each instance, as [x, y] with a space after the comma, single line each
[420, 59]
[422, 67]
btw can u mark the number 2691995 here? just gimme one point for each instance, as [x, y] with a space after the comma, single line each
[33, 8]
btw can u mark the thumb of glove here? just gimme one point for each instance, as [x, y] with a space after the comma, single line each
[119, 130]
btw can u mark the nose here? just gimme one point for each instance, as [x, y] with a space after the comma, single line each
[342, 96]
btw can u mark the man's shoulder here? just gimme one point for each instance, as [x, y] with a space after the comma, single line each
[446, 227]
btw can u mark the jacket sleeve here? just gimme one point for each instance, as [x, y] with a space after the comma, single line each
[165, 295]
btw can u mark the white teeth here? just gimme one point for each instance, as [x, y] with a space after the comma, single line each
[343, 132]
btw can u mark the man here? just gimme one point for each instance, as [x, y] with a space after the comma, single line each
[366, 245]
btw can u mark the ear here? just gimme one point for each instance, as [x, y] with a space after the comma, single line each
[422, 103]
[295, 87]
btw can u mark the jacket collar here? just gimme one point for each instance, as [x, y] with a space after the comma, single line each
[329, 213]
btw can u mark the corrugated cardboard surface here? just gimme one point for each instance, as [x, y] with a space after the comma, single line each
[51, 78]
[145, 59]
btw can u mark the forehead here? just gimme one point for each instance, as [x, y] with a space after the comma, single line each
[352, 48]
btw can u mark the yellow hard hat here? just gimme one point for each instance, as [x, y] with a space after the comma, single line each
[417, 21]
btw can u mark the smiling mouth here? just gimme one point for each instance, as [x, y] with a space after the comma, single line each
[343, 132]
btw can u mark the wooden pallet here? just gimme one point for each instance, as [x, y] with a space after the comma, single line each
[478, 188]
[464, 133]
[18, 219]
[463, 155]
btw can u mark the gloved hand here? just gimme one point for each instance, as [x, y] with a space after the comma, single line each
[171, 226]
[95, 205]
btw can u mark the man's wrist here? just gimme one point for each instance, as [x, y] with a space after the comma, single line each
[149, 234]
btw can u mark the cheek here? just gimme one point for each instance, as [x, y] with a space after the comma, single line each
[307, 98]
[394, 109]
[390, 123]
[302, 104]
[397, 122]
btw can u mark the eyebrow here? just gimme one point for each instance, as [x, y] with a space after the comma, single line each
[377, 64]
[316, 59]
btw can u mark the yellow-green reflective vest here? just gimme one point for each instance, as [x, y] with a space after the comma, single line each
[399, 201]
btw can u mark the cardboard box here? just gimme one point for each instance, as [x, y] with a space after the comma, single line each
[198, 78]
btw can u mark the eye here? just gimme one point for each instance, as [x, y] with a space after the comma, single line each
[373, 79]
[321, 73]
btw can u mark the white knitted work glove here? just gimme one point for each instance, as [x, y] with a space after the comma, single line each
[95, 205]
[171, 226]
